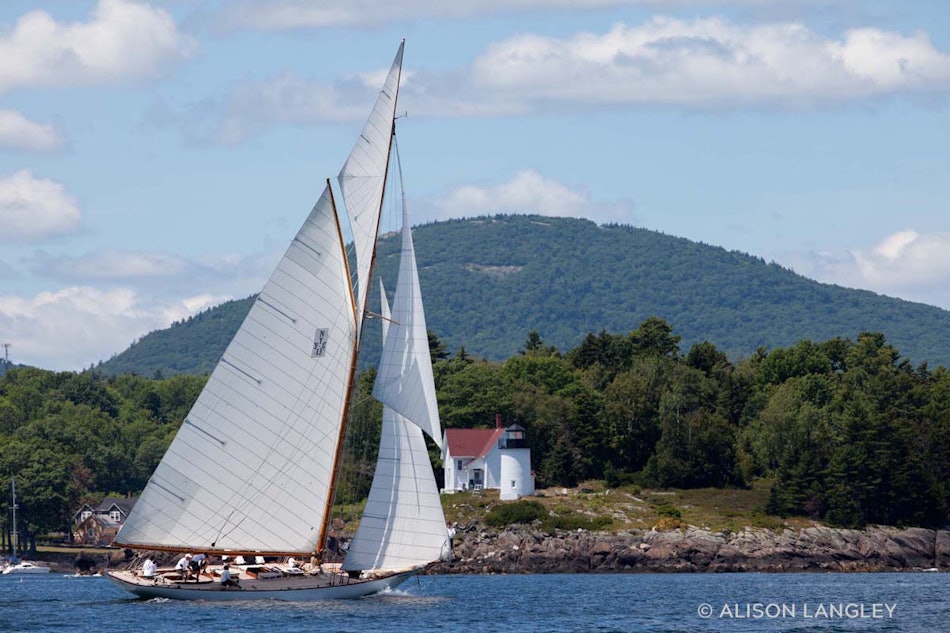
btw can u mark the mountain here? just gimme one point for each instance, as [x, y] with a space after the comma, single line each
[192, 346]
[489, 281]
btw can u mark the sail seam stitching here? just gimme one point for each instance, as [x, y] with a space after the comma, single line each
[278, 310]
[202, 431]
[241, 371]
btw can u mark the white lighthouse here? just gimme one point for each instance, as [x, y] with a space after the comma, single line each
[515, 479]
[481, 459]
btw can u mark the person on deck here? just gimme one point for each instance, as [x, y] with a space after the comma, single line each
[226, 579]
[148, 569]
[182, 566]
[198, 564]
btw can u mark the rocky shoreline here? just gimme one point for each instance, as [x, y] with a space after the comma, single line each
[526, 550]
[519, 550]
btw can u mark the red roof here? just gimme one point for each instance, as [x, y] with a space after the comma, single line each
[472, 443]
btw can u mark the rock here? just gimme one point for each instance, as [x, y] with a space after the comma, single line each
[816, 548]
[942, 550]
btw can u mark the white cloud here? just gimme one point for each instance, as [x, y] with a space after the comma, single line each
[701, 63]
[33, 208]
[906, 258]
[906, 264]
[289, 100]
[527, 192]
[106, 300]
[100, 313]
[252, 106]
[297, 14]
[111, 265]
[164, 277]
[19, 132]
[121, 40]
[75, 327]
[712, 62]
[306, 14]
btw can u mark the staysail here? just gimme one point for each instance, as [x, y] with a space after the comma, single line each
[404, 382]
[250, 468]
[363, 180]
[403, 524]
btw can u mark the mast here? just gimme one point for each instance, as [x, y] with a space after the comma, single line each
[14, 533]
[335, 470]
[361, 315]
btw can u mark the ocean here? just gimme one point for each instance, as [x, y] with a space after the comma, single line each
[516, 604]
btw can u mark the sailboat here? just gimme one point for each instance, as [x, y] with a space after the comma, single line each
[15, 565]
[249, 479]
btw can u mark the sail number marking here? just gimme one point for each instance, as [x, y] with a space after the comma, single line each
[320, 342]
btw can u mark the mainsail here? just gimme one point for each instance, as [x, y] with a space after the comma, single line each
[251, 466]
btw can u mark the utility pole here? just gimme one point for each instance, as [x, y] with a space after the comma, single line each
[6, 354]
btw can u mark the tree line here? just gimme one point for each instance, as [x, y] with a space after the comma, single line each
[847, 431]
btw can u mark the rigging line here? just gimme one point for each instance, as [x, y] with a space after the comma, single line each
[405, 216]
[402, 188]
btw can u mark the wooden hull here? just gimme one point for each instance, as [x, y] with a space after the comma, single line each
[296, 589]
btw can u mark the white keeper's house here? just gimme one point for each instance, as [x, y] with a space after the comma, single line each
[498, 458]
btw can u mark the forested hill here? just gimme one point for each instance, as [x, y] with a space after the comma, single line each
[192, 346]
[490, 281]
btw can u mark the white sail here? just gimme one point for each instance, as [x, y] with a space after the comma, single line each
[404, 381]
[403, 524]
[250, 468]
[363, 179]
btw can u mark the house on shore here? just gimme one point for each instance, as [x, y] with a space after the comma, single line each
[478, 459]
[98, 525]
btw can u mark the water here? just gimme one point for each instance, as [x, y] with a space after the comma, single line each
[522, 604]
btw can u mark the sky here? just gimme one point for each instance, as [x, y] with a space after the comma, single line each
[156, 156]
